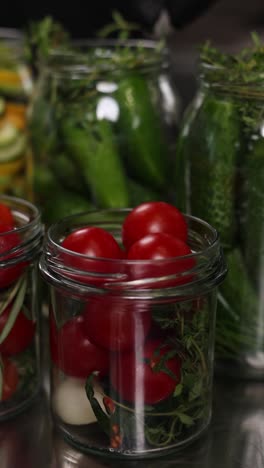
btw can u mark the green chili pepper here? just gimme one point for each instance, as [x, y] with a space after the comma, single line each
[93, 150]
[68, 174]
[145, 149]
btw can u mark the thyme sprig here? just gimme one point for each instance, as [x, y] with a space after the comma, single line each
[239, 75]
[244, 67]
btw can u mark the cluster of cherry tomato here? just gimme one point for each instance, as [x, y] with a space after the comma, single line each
[104, 337]
[22, 331]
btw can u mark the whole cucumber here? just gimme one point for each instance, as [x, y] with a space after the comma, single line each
[139, 126]
[252, 213]
[238, 313]
[94, 151]
[213, 149]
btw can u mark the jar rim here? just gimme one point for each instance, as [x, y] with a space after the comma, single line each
[22, 203]
[79, 60]
[207, 263]
[29, 231]
[218, 77]
[207, 250]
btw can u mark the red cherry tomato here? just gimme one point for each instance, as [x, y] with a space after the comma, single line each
[8, 240]
[134, 375]
[10, 379]
[73, 352]
[152, 217]
[93, 242]
[115, 323]
[161, 246]
[97, 244]
[21, 334]
[6, 216]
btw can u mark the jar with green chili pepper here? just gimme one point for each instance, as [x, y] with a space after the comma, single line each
[131, 340]
[15, 92]
[221, 151]
[103, 126]
[20, 244]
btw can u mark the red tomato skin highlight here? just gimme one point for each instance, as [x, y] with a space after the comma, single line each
[98, 245]
[161, 246]
[93, 242]
[152, 217]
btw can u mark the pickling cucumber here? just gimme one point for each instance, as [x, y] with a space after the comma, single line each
[213, 151]
[252, 213]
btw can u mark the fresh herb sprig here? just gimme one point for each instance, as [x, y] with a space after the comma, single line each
[239, 75]
[165, 423]
[245, 67]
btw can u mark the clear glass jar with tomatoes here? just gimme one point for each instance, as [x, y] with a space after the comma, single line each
[20, 243]
[15, 93]
[132, 313]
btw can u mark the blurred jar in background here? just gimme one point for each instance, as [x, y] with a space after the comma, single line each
[15, 91]
[103, 127]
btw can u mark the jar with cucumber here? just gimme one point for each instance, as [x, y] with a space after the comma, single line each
[221, 150]
[103, 134]
[15, 92]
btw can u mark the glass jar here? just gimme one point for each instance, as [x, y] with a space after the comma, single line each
[15, 92]
[19, 309]
[131, 341]
[221, 152]
[103, 125]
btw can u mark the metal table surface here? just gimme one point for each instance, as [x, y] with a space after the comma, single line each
[235, 438]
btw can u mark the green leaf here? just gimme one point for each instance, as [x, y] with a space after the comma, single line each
[17, 305]
[178, 390]
[196, 390]
[10, 296]
[185, 419]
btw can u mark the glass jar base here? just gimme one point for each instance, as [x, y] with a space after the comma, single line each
[101, 451]
[14, 410]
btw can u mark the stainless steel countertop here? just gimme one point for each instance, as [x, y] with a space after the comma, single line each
[235, 438]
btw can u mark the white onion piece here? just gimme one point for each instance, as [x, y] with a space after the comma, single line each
[71, 404]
